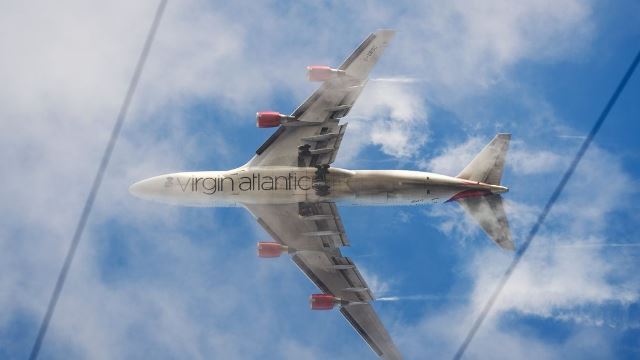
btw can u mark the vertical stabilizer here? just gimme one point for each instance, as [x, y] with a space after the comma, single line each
[488, 165]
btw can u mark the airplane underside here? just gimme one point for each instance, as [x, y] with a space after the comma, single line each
[293, 185]
[292, 191]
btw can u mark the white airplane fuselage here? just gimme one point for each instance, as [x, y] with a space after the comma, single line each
[284, 185]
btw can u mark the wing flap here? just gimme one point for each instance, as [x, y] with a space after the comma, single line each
[286, 224]
[317, 243]
[335, 275]
[325, 218]
[321, 148]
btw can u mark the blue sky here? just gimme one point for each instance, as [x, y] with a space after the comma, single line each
[155, 281]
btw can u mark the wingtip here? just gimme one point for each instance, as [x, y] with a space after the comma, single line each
[389, 33]
[509, 246]
[506, 243]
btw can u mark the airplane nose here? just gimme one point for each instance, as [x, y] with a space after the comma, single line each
[142, 189]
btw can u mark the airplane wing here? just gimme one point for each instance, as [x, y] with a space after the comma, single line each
[316, 232]
[318, 141]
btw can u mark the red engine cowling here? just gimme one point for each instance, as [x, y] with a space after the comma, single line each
[322, 73]
[270, 249]
[323, 301]
[267, 119]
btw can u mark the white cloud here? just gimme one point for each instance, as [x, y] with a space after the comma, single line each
[63, 83]
[525, 162]
[467, 46]
[454, 158]
[459, 50]
[377, 286]
[391, 116]
[65, 71]
[521, 158]
[558, 282]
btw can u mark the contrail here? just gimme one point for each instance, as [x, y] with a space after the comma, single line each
[399, 79]
[587, 245]
[420, 297]
[578, 137]
[378, 160]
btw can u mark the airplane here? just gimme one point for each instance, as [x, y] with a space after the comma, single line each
[291, 189]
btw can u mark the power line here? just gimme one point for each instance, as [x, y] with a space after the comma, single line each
[97, 181]
[543, 215]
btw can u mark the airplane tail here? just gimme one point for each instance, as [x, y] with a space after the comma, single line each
[487, 166]
[488, 210]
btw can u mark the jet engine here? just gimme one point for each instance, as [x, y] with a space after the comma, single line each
[271, 249]
[267, 119]
[322, 73]
[323, 301]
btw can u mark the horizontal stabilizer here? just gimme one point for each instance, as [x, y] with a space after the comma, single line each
[488, 165]
[488, 211]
